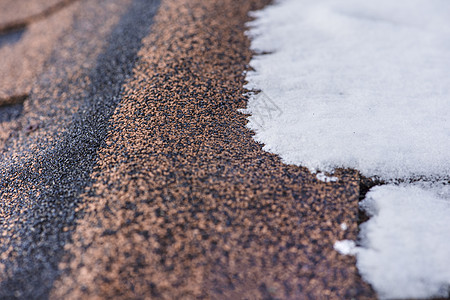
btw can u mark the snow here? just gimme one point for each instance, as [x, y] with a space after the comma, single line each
[345, 247]
[365, 85]
[360, 84]
[323, 177]
[405, 248]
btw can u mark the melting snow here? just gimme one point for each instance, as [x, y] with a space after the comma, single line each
[360, 84]
[345, 247]
[366, 85]
[323, 177]
[405, 247]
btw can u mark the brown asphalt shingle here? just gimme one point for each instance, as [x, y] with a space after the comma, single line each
[46, 161]
[185, 204]
[165, 195]
[27, 41]
[16, 14]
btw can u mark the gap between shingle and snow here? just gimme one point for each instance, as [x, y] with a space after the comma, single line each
[366, 85]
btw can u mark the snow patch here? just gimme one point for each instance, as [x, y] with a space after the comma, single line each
[345, 247]
[404, 251]
[354, 83]
[365, 85]
[323, 177]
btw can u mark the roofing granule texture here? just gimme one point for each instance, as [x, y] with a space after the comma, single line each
[17, 14]
[132, 174]
[47, 160]
[25, 47]
[185, 204]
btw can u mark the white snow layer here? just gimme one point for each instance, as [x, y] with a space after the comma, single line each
[360, 84]
[405, 247]
[366, 85]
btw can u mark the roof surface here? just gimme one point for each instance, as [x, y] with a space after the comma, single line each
[128, 172]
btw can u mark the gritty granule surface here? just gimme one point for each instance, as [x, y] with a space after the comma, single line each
[27, 41]
[17, 14]
[47, 158]
[132, 174]
[185, 204]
